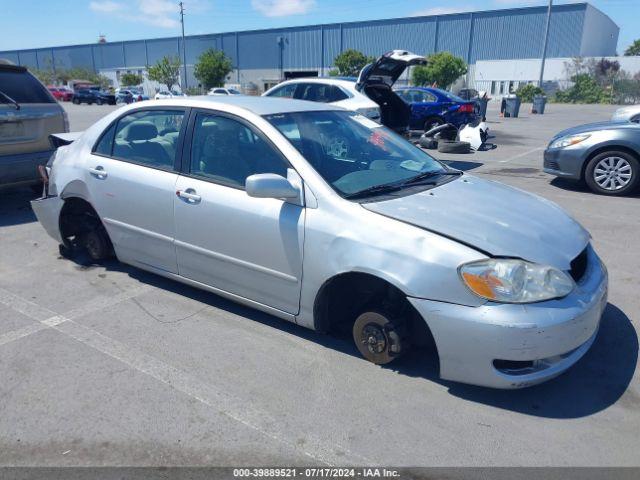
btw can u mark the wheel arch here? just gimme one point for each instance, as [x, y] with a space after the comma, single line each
[346, 292]
[611, 147]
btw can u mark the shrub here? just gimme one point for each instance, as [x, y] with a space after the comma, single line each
[527, 92]
[584, 90]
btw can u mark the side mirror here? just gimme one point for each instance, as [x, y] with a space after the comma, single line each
[270, 185]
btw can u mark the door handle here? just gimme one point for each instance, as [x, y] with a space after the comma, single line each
[98, 172]
[189, 195]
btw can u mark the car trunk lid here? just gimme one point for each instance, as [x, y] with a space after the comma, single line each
[376, 81]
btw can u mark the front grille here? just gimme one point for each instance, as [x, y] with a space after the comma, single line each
[579, 265]
[552, 164]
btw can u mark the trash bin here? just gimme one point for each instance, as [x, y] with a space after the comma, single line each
[539, 102]
[512, 107]
[482, 107]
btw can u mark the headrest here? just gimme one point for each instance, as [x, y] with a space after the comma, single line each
[141, 131]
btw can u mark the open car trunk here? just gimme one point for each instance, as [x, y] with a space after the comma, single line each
[376, 81]
[395, 113]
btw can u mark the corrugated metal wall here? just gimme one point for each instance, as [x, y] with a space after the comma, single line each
[502, 34]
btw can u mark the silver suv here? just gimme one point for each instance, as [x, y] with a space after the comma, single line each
[28, 114]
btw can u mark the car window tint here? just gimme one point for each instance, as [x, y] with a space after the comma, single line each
[429, 97]
[283, 91]
[23, 87]
[337, 94]
[317, 92]
[103, 147]
[148, 137]
[227, 151]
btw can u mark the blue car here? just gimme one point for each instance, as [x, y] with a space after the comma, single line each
[431, 107]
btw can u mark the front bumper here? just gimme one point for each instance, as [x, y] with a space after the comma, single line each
[22, 168]
[552, 335]
[564, 162]
[47, 211]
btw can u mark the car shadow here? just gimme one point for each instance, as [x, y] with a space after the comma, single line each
[576, 186]
[593, 384]
[15, 208]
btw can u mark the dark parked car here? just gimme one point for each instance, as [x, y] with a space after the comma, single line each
[431, 107]
[28, 115]
[89, 95]
[605, 155]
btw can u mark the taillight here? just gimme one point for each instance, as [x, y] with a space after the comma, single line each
[466, 108]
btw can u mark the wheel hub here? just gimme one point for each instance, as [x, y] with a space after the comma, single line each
[612, 173]
[374, 338]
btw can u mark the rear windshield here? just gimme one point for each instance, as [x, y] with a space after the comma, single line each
[23, 88]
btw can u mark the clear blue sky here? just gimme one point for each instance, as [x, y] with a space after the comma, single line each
[41, 23]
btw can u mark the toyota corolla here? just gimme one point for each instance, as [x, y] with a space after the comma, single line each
[249, 198]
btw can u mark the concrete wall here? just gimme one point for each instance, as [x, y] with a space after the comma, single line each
[486, 73]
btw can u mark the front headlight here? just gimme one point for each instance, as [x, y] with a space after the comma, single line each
[515, 281]
[568, 140]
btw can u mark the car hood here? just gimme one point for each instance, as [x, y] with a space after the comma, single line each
[494, 218]
[594, 127]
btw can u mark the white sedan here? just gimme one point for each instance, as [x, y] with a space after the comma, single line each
[223, 91]
[240, 196]
[629, 114]
[337, 91]
[162, 94]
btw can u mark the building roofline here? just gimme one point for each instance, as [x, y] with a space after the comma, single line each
[562, 6]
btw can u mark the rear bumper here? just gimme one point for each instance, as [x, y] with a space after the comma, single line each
[47, 211]
[564, 162]
[22, 168]
[536, 341]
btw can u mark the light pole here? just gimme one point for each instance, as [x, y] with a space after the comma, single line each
[544, 45]
[184, 48]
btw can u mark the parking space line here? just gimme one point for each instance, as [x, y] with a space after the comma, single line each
[236, 409]
[49, 318]
[21, 333]
[522, 154]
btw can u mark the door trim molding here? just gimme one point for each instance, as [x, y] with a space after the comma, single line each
[143, 231]
[237, 261]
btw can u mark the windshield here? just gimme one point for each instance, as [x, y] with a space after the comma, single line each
[353, 153]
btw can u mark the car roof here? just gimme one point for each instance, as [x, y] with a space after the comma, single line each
[257, 105]
[328, 80]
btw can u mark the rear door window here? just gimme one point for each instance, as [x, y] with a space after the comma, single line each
[285, 91]
[147, 137]
[22, 87]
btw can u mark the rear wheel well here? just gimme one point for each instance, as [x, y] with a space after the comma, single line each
[607, 148]
[76, 218]
[343, 297]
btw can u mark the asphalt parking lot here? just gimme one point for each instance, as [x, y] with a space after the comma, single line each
[109, 365]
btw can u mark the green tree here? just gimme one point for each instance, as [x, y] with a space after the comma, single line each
[442, 69]
[350, 62]
[166, 71]
[527, 92]
[584, 90]
[131, 79]
[47, 77]
[633, 50]
[212, 68]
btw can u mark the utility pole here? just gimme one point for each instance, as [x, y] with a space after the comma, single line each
[184, 49]
[544, 45]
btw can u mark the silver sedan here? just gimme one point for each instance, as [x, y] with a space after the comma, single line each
[604, 155]
[323, 217]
